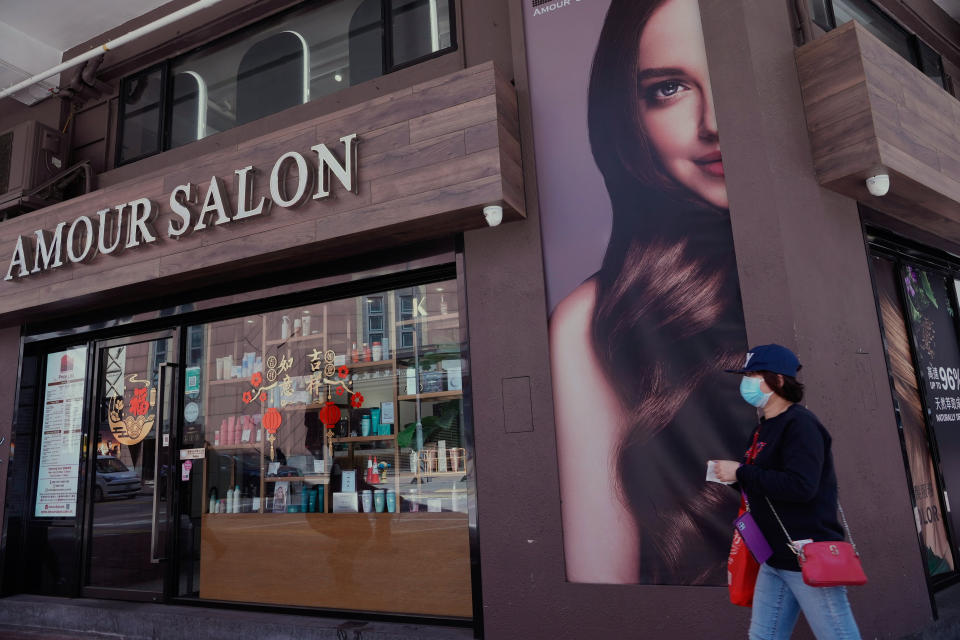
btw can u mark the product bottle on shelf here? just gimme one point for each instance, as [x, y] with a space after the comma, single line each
[367, 353]
[230, 500]
[375, 474]
[369, 476]
[354, 354]
[236, 499]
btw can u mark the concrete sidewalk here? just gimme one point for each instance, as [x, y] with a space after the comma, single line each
[948, 624]
[29, 617]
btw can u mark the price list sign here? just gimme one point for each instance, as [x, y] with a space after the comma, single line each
[60, 441]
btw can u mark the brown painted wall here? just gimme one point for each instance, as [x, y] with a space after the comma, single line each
[800, 251]
[803, 271]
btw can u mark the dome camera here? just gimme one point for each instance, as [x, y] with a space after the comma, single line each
[493, 214]
[879, 184]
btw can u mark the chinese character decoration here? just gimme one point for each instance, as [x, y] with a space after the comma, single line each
[325, 373]
[271, 422]
[257, 389]
[131, 422]
[277, 366]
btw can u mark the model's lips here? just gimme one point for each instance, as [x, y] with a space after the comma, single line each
[711, 164]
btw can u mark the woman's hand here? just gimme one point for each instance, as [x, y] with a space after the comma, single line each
[726, 470]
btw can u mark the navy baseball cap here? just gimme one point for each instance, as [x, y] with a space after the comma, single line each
[770, 357]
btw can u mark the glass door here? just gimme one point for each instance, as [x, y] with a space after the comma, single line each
[129, 457]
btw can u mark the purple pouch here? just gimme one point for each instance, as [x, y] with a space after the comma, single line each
[753, 537]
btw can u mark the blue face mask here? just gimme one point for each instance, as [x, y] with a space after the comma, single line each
[750, 390]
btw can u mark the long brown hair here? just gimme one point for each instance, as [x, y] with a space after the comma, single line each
[667, 320]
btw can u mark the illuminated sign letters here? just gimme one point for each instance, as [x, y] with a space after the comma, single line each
[294, 180]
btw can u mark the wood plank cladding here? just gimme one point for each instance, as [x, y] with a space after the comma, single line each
[868, 110]
[414, 563]
[430, 158]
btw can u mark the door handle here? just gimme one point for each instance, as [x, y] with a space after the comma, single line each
[167, 377]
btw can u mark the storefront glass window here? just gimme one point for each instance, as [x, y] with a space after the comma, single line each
[924, 321]
[141, 102]
[279, 63]
[328, 464]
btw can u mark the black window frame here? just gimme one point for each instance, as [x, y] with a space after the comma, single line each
[913, 40]
[166, 85]
[164, 117]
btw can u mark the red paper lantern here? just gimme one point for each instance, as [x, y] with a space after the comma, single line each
[272, 420]
[329, 415]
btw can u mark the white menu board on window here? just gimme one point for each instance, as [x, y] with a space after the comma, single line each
[60, 439]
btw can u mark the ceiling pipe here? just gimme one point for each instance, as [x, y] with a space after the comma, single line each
[112, 44]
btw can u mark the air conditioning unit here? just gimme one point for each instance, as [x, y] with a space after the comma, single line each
[30, 154]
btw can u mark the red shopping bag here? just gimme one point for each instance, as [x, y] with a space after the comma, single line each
[742, 569]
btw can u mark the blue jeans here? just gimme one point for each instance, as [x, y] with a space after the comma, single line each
[779, 597]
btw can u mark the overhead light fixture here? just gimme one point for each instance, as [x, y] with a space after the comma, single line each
[338, 77]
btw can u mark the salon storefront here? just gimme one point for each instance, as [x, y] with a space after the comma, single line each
[316, 336]
[250, 381]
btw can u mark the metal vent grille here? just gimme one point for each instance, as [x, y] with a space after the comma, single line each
[537, 3]
[6, 157]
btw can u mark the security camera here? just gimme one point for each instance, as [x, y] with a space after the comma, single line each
[879, 184]
[493, 214]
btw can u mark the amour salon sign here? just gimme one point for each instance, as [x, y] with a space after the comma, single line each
[133, 224]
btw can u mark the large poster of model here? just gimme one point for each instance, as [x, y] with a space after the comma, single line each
[642, 286]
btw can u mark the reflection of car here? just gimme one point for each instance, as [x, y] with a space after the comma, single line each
[114, 479]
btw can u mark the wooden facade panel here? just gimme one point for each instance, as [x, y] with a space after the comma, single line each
[843, 104]
[420, 154]
[937, 185]
[453, 118]
[903, 122]
[941, 120]
[409, 563]
[243, 252]
[480, 137]
[418, 212]
[128, 283]
[831, 138]
[825, 71]
[385, 139]
[900, 135]
[830, 167]
[416, 180]
[85, 205]
[476, 165]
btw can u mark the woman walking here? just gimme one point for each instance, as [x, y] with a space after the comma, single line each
[791, 472]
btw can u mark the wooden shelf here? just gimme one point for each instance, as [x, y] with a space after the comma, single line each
[309, 338]
[441, 474]
[284, 479]
[437, 318]
[432, 395]
[242, 446]
[229, 381]
[369, 365]
[364, 439]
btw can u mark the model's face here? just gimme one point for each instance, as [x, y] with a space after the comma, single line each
[676, 106]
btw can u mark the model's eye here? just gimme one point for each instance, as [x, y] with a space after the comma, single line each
[664, 91]
[667, 89]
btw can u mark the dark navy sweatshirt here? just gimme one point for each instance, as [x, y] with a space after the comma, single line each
[794, 468]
